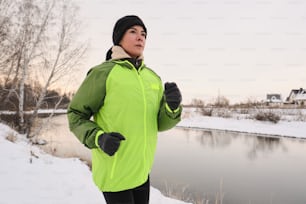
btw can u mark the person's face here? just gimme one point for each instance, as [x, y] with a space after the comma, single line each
[133, 41]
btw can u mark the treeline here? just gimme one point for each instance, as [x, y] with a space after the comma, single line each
[53, 98]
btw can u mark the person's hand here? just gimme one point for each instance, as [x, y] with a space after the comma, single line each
[173, 95]
[110, 142]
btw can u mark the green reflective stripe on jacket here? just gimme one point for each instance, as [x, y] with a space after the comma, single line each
[127, 101]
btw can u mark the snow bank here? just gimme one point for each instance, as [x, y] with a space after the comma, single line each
[282, 128]
[30, 176]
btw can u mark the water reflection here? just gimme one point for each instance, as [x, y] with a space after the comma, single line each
[220, 139]
[251, 168]
[265, 145]
[207, 138]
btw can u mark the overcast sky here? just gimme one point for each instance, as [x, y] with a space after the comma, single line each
[239, 49]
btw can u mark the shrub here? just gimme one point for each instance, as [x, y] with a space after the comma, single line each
[300, 116]
[206, 111]
[267, 116]
[223, 112]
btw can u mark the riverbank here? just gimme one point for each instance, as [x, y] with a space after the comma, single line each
[292, 122]
[29, 175]
[293, 129]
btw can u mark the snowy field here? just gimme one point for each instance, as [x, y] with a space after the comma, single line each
[294, 129]
[290, 124]
[30, 176]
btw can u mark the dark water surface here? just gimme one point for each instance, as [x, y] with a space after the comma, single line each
[203, 166]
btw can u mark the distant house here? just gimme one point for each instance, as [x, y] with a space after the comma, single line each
[275, 99]
[297, 96]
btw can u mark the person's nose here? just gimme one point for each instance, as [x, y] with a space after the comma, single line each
[140, 37]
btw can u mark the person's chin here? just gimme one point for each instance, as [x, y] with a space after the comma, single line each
[138, 53]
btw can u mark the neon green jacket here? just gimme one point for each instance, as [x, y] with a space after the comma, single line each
[126, 100]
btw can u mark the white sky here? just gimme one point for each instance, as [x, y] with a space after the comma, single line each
[239, 49]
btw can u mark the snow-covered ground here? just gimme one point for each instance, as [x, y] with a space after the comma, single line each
[30, 176]
[288, 126]
[282, 128]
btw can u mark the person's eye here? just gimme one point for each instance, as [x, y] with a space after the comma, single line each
[144, 35]
[132, 31]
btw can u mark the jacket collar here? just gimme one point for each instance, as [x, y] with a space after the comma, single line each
[119, 53]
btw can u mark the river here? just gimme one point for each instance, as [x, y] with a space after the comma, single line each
[203, 166]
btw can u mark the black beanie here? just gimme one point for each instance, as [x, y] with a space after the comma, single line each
[123, 24]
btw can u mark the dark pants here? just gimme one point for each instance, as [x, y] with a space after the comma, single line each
[138, 195]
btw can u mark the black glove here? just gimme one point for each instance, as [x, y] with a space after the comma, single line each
[173, 95]
[110, 142]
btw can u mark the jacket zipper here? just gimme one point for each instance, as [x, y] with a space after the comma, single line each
[144, 118]
[144, 122]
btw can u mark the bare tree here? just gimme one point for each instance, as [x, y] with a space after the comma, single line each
[6, 14]
[4, 19]
[35, 21]
[28, 26]
[67, 54]
[42, 41]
